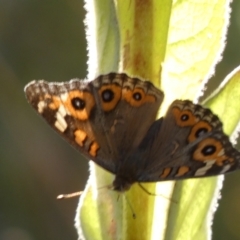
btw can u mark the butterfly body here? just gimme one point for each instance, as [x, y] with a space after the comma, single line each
[112, 120]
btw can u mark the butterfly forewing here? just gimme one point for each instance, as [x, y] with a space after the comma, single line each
[105, 119]
[64, 107]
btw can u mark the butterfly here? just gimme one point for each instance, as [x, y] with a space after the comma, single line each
[112, 121]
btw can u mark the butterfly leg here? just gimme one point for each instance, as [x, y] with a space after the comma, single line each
[154, 194]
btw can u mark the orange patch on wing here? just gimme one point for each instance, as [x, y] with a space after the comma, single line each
[93, 149]
[80, 137]
[56, 101]
[201, 124]
[117, 92]
[145, 98]
[182, 170]
[81, 114]
[219, 154]
[165, 173]
[178, 114]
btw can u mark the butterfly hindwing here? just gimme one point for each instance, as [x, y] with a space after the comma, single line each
[188, 142]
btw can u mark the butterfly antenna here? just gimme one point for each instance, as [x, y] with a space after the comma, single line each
[156, 195]
[130, 206]
[109, 186]
[70, 195]
[77, 194]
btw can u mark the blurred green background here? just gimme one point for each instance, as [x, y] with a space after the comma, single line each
[42, 39]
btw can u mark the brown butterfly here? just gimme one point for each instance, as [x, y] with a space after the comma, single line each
[111, 120]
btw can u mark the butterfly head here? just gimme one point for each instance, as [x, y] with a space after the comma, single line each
[122, 184]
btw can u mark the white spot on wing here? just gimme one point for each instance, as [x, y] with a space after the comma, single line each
[60, 123]
[226, 168]
[221, 153]
[41, 106]
[62, 110]
[60, 127]
[202, 171]
[64, 97]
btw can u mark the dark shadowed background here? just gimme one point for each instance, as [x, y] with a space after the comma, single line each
[41, 39]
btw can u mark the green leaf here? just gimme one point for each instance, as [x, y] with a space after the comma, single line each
[99, 211]
[195, 43]
[102, 37]
[193, 218]
[224, 101]
[99, 214]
